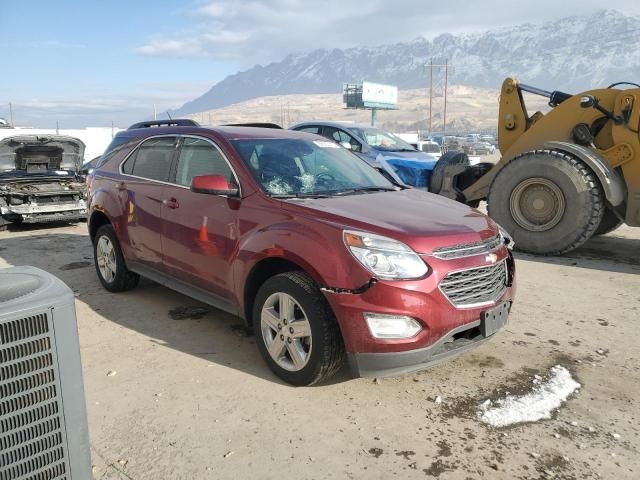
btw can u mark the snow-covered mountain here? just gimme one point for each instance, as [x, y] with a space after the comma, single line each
[569, 54]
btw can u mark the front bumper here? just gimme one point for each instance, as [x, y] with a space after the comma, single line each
[456, 342]
[32, 212]
[447, 330]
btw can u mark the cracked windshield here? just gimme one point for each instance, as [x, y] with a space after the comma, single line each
[308, 167]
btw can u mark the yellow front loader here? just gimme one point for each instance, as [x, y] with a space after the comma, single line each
[563, 176]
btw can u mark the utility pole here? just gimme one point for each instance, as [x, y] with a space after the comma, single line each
[57, 128]
[11, 114]
[446, 80]
[431, 66]
[430, 91]
[155, 112]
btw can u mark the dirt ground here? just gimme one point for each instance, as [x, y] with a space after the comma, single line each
[192, 399]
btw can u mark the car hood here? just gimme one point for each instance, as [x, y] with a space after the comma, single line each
[69, 150]
[422, 220]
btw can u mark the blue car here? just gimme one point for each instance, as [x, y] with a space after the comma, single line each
[380, 149]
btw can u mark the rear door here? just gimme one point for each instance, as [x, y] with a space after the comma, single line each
[145, 175]
[200, 230]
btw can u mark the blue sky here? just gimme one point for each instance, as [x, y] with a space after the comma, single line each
[88, 63]
[72, 54]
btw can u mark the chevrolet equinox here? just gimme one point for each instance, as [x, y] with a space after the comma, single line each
[321, 255]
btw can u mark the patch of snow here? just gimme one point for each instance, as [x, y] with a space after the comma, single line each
[545, 397]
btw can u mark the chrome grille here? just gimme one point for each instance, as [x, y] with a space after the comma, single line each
[467, 249]
[476, 286]
[32, 437]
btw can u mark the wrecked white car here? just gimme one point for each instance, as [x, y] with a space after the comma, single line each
[40, 179]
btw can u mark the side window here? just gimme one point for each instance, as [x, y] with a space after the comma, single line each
[329, 133]
[341, 137]
[152, 159]
[118, 145]
[315, 130]
[199, 157]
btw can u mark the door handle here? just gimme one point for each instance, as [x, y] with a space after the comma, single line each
[171, 203]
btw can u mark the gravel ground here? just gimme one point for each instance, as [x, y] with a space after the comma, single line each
[192, 399]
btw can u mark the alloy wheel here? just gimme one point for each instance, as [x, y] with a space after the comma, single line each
[286, 331]
[106, 259]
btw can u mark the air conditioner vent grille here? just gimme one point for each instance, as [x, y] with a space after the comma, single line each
[24, 350]
[17, 330]
[28, 417]
[25, 367]
[32, 431]
[32, 468]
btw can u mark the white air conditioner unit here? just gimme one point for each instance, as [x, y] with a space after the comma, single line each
[43, 419]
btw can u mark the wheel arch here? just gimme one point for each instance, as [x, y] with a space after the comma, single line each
[611, 181]
[260, 273]
[96, 220]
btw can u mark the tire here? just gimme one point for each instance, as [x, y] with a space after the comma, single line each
[321, 353]
[4, 223]
[549, 201]
[609, 223]
[117, 278]
[450, 159]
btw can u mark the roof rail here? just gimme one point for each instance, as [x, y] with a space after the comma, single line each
[258, 125]
[176, 122]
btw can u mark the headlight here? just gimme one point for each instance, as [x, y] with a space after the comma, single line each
[383, 256]
[506, 238]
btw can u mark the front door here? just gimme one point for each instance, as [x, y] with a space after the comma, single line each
[199, 230]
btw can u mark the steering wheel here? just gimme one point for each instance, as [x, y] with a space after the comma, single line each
[326, 176]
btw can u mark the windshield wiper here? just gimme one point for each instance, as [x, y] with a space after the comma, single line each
[363, 190]
[298, 195]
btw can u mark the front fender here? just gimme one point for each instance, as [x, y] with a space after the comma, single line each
[318, 250]
[612, 182]
[104, 201]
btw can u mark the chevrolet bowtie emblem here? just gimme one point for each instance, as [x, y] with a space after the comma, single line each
[491, 258]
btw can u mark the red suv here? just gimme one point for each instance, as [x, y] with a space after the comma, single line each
[316, 250]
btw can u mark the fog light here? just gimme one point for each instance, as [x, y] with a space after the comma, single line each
[392, 326]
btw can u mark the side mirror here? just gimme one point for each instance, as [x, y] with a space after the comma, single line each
[587, 101]
[346, 145]
[213, 185]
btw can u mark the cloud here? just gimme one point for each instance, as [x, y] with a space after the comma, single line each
[100, 110]
[260, 31]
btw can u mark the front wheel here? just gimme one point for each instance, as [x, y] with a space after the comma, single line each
[549, 201]
[296, 331]
[109, 261]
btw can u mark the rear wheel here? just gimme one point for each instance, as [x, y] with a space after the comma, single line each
[549, 201]
[296, 331]
[110, 265]
[609, 223]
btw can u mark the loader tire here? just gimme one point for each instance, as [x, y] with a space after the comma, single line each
[549, 202]
[456, 161]
[609, 223]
